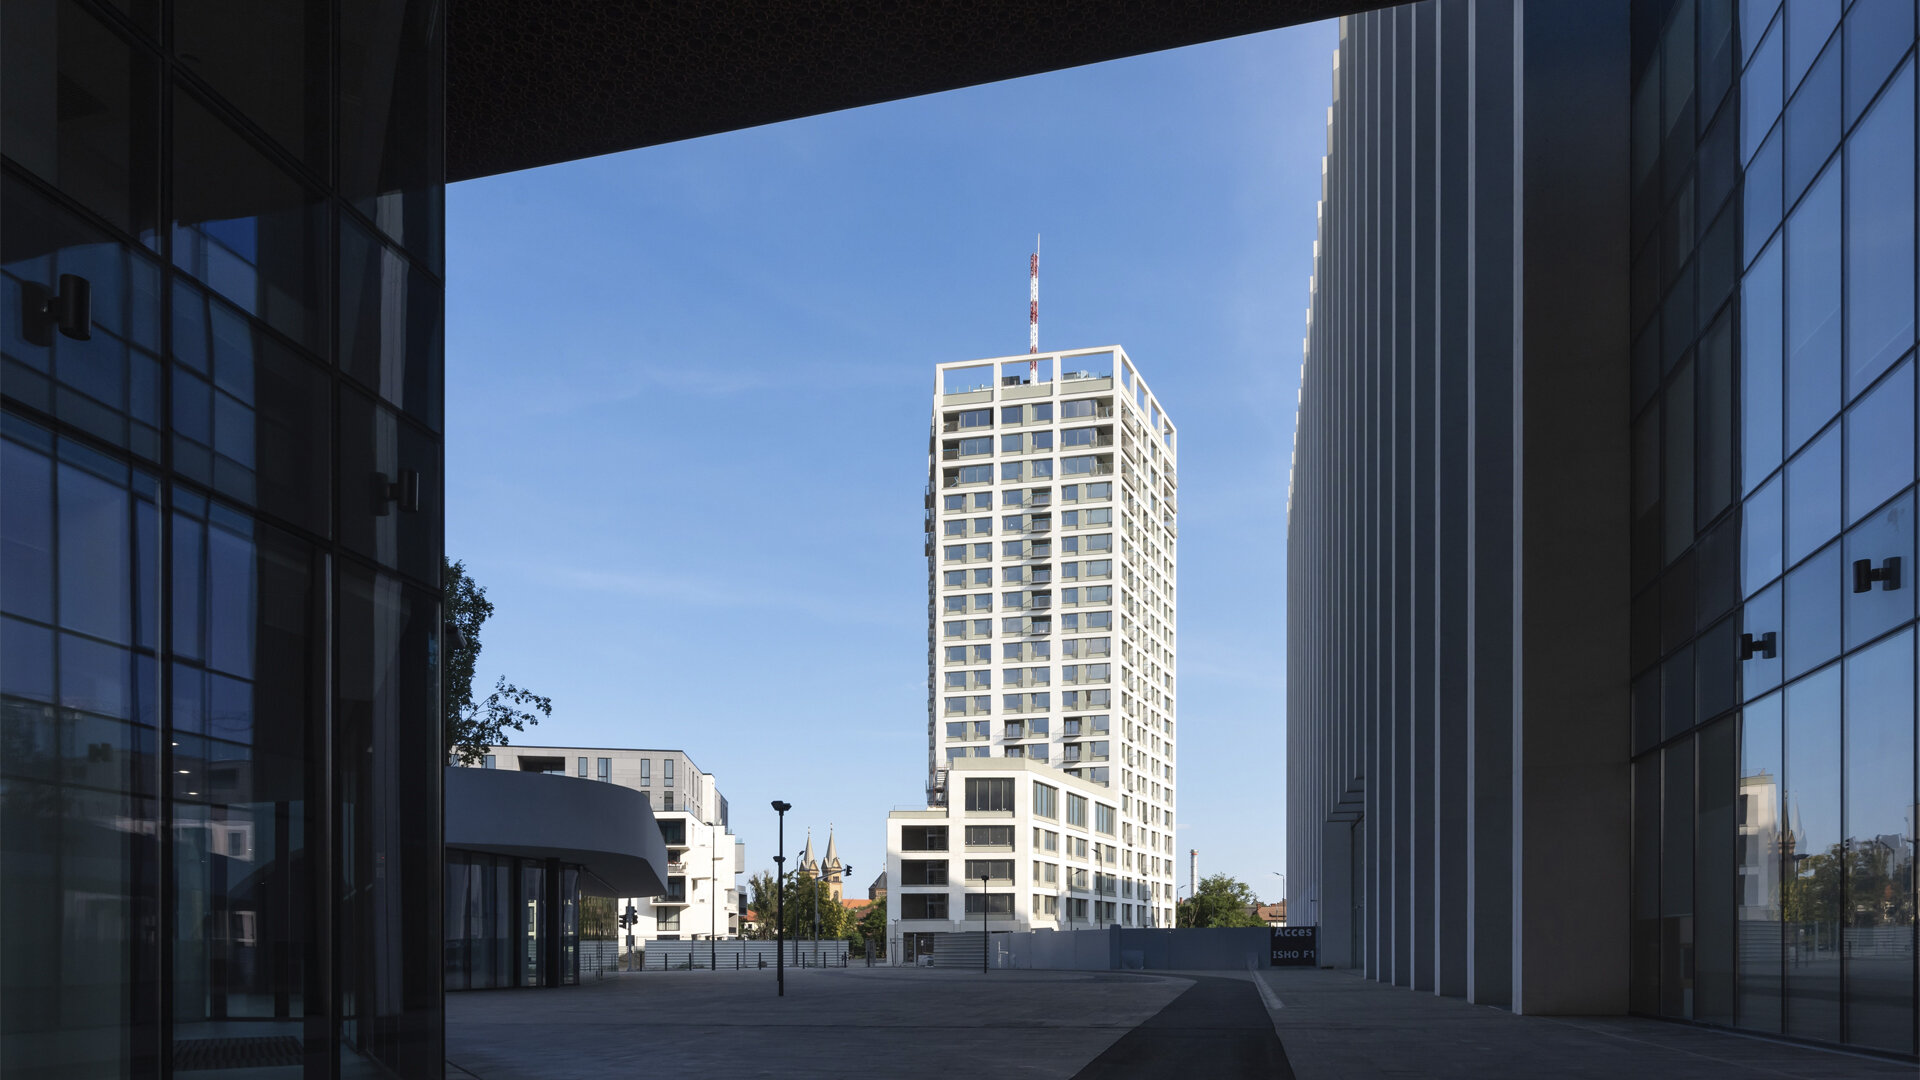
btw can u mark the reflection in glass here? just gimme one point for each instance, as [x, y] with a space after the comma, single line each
[1880, 235]
[83, 114]
[1880, 443]
[108, 385]
[391, 118]
[1761, 538]
[1813, 310]
[248, 230]
[1677, 454]
[1813, 122]
[269, 61]
[388, 873]
[242, 722]
[1676, 882]
[1760, 368]
[1811, 904]
[1760, 95]
[1878, 851]
[1812, 613]
[1813, 496]
[80, 759]
[1714, 867]
[1760, 203]
[1762, 836]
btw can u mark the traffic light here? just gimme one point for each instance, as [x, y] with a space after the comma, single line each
[630, 917]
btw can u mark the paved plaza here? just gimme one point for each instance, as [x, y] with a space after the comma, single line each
[920, 1023]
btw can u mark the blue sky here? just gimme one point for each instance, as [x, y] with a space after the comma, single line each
[688, 391]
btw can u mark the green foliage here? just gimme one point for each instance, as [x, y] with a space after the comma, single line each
[599, 918]
[1219, 901]
[473, 728]
[802, 891]
[872, 927]
[760, 889]
[873, 922]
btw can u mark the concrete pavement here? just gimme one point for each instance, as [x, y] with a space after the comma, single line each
[1335, 1024]
[913, 1023]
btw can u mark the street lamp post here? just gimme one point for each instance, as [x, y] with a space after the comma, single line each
[780, 903]
[986, 937]
[713, 915]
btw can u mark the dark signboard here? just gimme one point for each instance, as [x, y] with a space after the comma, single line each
[1295, 946]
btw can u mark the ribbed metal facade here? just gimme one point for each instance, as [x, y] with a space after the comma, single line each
[1456, 536]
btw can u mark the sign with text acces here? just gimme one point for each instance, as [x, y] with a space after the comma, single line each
[1295, 946]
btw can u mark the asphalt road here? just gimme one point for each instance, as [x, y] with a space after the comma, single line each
[1216, 1028]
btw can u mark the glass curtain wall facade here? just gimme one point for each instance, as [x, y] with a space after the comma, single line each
[220, 532]
[510, 922]
[1773, 517]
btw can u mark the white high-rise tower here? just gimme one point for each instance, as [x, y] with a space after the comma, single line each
[1051, 539]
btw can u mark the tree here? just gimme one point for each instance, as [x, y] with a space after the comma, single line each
[1219, 901]
[473, 728]
[761, 888]
[802, 891]
[835, 921]
[873, 925]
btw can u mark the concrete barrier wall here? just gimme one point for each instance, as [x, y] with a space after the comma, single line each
[1127, 949]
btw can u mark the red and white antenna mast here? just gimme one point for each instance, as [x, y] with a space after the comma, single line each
[1033, 299]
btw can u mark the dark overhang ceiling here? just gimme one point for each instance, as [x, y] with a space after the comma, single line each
[533, 82]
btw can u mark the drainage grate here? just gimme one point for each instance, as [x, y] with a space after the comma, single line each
[261, 1053]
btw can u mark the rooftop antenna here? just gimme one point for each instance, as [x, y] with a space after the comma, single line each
[1033, 304]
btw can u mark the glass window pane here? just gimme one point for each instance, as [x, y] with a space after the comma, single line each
[1809, 22]
[1813, 122]
[1879, 853]
[1760, 617]
[1760, 202]
[1678, 459]
[1755, 17]
[390, 327]
[1880, 235]
[1757, 899]
[1761, 539]
[270, 61]
[1813, 496]
[390, 118]
[1713, 487]
[1714, 869]
[1813, 612]
[248, 230]
[1886, 535]
[1813, 310]
[1811, 813]
[1878, 34]
[1760, 92]
[1676, 692]
[1760, 367]
[1644, 964]
[1676, 881]
[82, 111]
[1880, 444]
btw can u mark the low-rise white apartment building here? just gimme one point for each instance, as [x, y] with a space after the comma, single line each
[1016, 845]
[703, 857]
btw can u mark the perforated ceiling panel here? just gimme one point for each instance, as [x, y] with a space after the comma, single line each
[532, 82]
